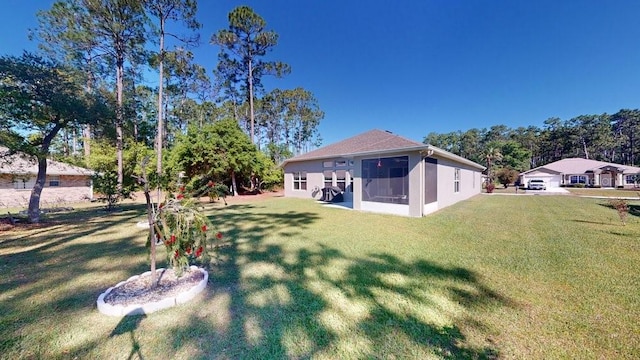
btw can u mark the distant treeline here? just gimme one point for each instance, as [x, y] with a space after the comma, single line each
[612, 138]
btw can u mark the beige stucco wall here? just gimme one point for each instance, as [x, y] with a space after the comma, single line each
[470, 183]
[315, 179]
[72, 189]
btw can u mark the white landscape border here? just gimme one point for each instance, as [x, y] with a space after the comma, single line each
[147, 308]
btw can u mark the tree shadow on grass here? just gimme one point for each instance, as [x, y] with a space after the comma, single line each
[129, 324]
[274, 295]
[634, 209]
[45, 271]
[267, 300]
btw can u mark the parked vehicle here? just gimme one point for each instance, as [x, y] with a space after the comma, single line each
[536, 184]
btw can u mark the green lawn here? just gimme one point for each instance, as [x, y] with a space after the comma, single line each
[631, 193]
[496, 276]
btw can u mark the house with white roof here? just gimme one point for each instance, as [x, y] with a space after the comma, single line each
[583, 172]
[64, 184]
[381, 172]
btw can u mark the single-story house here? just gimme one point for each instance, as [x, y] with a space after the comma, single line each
[64, 184]
[573, 171]
[381, 172]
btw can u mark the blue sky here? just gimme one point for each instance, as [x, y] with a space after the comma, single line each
[420, 66]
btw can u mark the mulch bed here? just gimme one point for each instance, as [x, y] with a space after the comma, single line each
[139, 290]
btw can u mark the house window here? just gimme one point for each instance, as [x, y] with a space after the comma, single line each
[20, 184]
[350, 186]
[328, 178]
[300, 180]
[632, 179]
[386, 180]
[341, 179]
[54, 181]
[456, 180]
[341, 163]
[578, 179]
[327, 164]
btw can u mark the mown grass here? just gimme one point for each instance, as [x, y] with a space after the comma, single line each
[495, 276]
[627, 193]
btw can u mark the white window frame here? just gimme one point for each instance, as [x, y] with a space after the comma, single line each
[341, 182]
[19, 184]
[578, 178]
[327, 176]
[300, 181]
[350, 181]
[456, 180]
[54, 180]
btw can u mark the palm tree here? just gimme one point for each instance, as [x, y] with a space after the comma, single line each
[492, 154]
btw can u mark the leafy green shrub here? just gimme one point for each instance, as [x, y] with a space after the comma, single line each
[106, 184]
[507, 176]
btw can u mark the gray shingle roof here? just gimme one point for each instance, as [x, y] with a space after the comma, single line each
[371, 141]
[374, 142]
[20, 164]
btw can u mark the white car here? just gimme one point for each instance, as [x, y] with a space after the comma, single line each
[536, 184]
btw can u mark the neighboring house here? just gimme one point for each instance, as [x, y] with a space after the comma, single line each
[385, 173]
[64, 183]
[573, 171]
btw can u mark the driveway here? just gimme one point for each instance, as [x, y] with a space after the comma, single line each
[550, 190]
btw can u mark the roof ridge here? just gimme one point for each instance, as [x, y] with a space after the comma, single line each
[373, 143]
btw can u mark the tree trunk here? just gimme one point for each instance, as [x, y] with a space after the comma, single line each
[120, 121]
[34, 200]
[586, 151]
[160, 95]
[152, 225]
[250, 80]
[233, 183]
[86, 140]
[33, 212]
[74, 142]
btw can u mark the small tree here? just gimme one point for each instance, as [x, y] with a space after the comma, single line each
[492, 154]
[622, 207]
[507, 176]
[217, 151]
[179, 224]
[107, 184]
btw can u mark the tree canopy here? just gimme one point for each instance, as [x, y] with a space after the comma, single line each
[38, 98]
[604, 137]
[243, 47]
